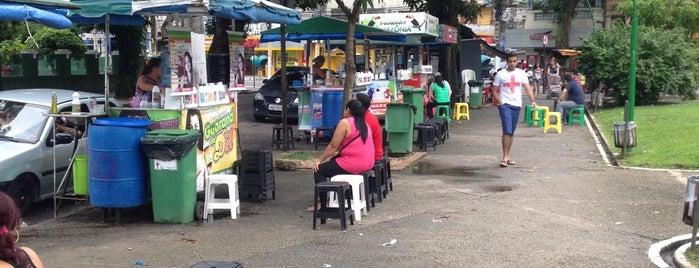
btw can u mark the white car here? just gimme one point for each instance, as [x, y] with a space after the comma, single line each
[27, 144]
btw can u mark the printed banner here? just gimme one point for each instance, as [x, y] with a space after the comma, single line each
[183, 75]
[381, 92]
[236, 46]
[407, 23]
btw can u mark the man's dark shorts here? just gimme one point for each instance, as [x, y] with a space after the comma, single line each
[509, 115]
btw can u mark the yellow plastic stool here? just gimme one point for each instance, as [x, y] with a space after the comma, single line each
[460, 110]
[547, 122]
[535, 116]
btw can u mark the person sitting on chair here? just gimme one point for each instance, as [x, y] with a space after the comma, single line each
[439, 93]
[572, 96]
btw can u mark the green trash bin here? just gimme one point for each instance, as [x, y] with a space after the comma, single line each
[416, 97]
[173, 166]
[399, 126]
[475, 94]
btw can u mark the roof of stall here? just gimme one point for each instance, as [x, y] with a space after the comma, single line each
[327, 28]
[253, 10]
[43, 14]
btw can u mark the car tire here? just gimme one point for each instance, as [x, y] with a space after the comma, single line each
[22, 191]
[259, 118]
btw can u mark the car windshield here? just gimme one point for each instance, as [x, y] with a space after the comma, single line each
[21, 122]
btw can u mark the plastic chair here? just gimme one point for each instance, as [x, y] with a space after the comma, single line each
[547, 122]
[461, 110]
[576, 115]
[231, 203]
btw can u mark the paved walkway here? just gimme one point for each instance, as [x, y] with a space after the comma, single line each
[560, 206]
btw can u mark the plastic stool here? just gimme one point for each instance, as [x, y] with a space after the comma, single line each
[231, 203]
[547, 122]
[576, 115]
[325, 213]
[528, 110]
[445, 108]
[425, 135]
[387, 172]
[461, 110]
[442, 131]
[277, 136]
[324, 130]
[356, 183]
[539, 115]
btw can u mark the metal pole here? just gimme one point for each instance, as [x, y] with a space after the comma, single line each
[285, 134]
[634, 56]
[107, 55]
[695, 224]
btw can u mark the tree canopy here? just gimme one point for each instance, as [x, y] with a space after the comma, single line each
[665, 14]
[666, 62]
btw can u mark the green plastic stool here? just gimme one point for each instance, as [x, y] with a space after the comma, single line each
[445, 108]
[576, 115]
[528, 115]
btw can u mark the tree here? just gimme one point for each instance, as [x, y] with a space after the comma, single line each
[448, 11]
[564, 11]
[665, 14]
[666, 64]
[352, 19]
[51, 39]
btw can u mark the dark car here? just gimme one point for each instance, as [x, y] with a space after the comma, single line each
[268, 102]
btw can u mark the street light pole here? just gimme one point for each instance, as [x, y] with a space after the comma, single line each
[634, 56]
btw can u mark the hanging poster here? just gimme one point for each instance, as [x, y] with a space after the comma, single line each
[183, 75]
[381, 92]
[236, 42]
[199, 58]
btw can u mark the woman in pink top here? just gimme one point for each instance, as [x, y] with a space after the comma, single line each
[351, 150]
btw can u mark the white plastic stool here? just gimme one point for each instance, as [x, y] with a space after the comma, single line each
[232, 202]
[356, 182]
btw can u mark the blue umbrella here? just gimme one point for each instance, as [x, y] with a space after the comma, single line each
[22, 12]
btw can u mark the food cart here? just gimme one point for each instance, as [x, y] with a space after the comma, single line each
[188, 101]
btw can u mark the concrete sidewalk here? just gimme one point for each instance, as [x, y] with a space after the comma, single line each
[559, 206]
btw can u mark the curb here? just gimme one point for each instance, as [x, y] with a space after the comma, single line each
[680, 260]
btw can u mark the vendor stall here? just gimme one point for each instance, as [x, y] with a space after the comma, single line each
[311, 111]
[189, 102]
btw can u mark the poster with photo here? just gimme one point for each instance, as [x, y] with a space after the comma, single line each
[236, 41]
[184, 77]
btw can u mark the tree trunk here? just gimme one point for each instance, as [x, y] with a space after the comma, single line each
[565, 19]
[219, 44]
[350, 63]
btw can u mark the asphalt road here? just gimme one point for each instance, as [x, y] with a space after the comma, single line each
[561, 205]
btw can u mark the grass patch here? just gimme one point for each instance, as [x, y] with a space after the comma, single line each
[302, 155]
[692, 256]
[666, 135]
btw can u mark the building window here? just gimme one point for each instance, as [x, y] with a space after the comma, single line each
[543, 16]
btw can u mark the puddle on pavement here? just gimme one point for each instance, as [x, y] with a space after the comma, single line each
[429, 168]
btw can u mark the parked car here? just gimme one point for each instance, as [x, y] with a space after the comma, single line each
[268, 103]
[27, 141]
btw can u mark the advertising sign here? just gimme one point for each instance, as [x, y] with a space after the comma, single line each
[407, 23]
[448, 34]
[186, 67]
[236, 46]
[381, 92]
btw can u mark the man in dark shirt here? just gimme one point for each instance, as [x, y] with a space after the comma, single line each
[572, 96]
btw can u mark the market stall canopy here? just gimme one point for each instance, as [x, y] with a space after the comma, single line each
[45, 3]
[254, 10]
[326, 28]
[44, 15]
[91, 11]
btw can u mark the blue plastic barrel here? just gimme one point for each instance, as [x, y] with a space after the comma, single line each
[117, 168]
[332, 107]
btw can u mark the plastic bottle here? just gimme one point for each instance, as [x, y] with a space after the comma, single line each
[156, 97]
[76, 103]
[93, 105]
[54, 103]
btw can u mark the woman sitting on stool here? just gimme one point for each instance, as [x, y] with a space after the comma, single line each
[350, 151]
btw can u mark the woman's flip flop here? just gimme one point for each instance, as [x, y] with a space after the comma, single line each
[503, 163]
[510, 162]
